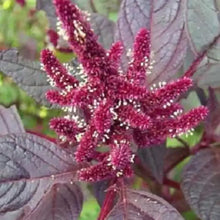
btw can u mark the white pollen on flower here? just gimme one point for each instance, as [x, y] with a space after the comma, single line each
[113, 167]
[95, 134]
[63, 93]
[148, 72]
[51, 81]
[177, 112]
[115, 115]
[87, 15]
[78, 32]
[68, 88]
[119, 173]
[107, 131]
[127, 127]
[161, 84]
[62, 138]
[109, 158]
[106, 136]
[115, 141]
[132, 158]
[61, 32]
[79, 137]
[120, 70]
[67, 117]
[189, 132]
[42, 67]
[129, 53]
[125, 102]
[152, 61]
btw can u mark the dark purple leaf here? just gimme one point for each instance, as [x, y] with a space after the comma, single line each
[15, 215]
[153, 159]
[174, 156]
[47, 6]
[104, 29]
[201, 95]
[212, 122]
[10, 121]
[29, 166]
[202, 22]
[203, 25]
[201, 184]
[27, 74]
[168, 40]
[207, 73]
[99, 190]
[63, 202]
[143, 205]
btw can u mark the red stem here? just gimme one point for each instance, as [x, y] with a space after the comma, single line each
[108, 203]
[198, 147]
[42, 136]
[171, 183]
[204, 143]
[193, 67]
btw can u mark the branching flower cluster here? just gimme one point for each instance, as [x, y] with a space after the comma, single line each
[111, 113]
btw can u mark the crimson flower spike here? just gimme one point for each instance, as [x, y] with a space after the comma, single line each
[57, 72]
[115, 53]
[66, 128]
[140, 59]
[53, 39]
[116, 109]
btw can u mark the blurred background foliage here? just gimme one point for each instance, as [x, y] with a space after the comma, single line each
[25, 28]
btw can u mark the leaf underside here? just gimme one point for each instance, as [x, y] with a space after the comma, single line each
[202, 26]
[27, 74]
[143, 205]
[10, 121]
[153, 158]
[63, 202]
[201, 183]
[29, 166]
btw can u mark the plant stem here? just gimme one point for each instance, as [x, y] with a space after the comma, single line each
[93, 6]
[171, 183]
[193, 67]
[42, 136]
[182, 142]
[108, 203]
